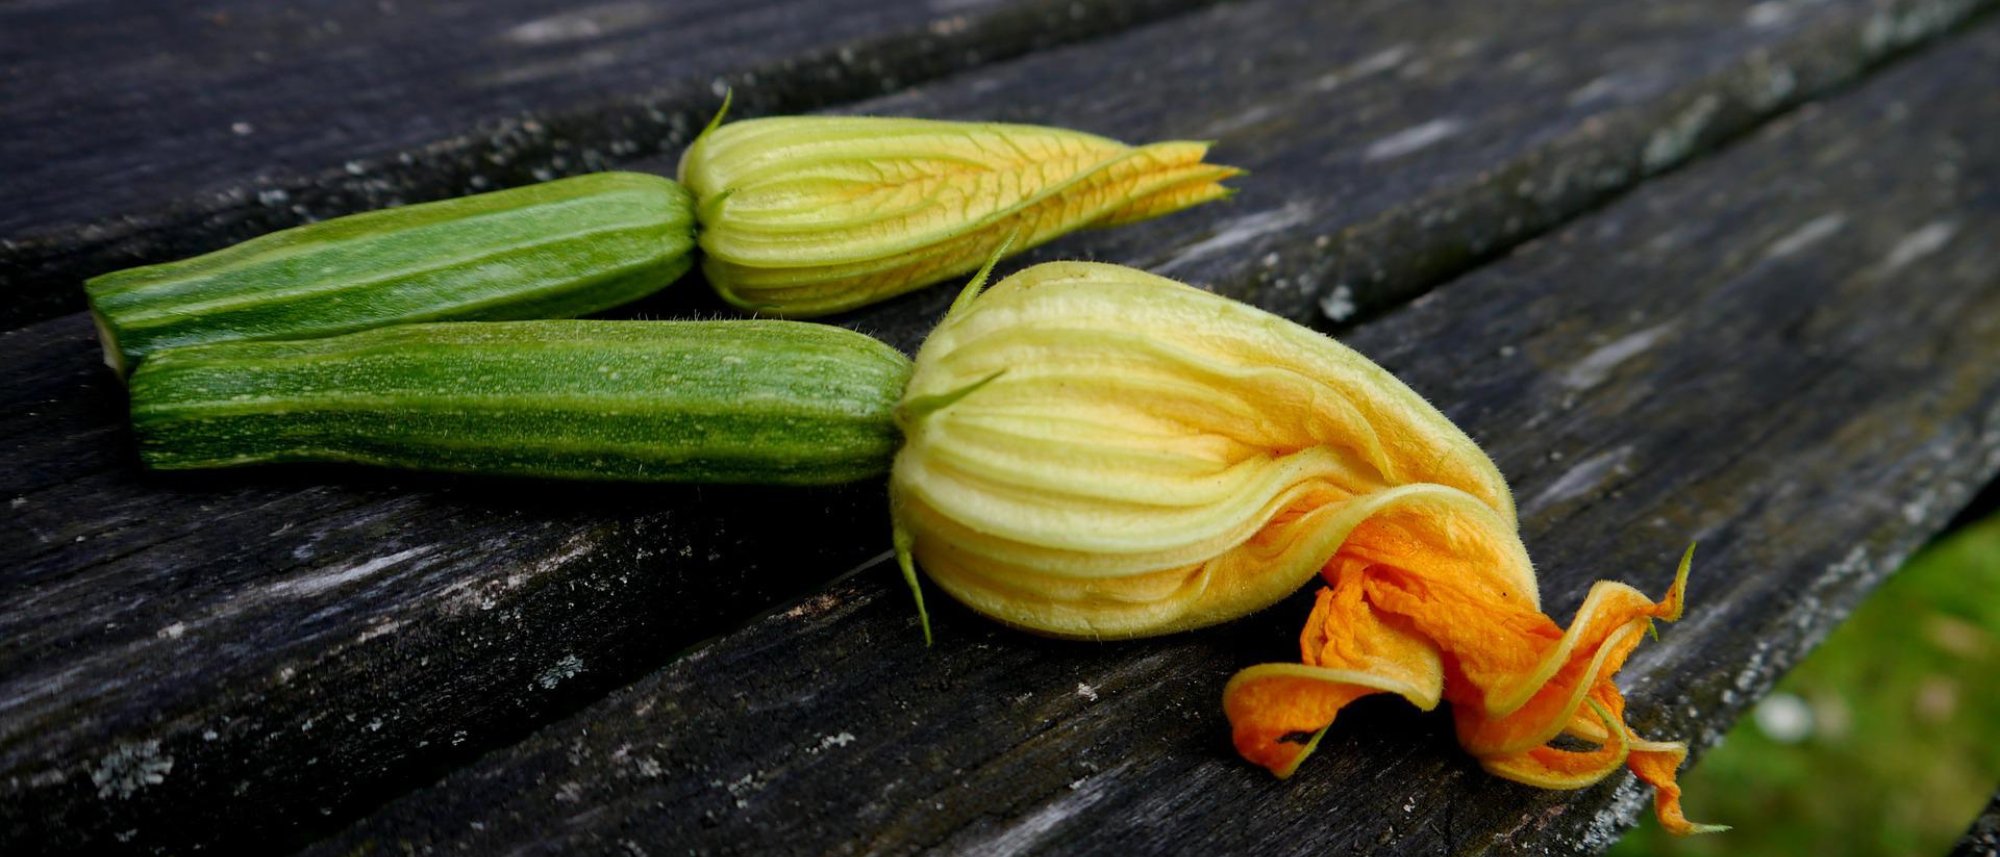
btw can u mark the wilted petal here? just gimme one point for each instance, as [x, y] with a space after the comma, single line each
[1278, 711]
[1655, 762]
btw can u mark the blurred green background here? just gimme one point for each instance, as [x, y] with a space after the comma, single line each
[1883, 741]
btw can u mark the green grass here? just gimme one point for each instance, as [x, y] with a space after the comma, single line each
[1904, 742]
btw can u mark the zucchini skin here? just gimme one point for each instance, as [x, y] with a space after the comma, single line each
[553, 250]
[754, 401]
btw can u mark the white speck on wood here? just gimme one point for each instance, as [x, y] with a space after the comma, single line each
[1240, 231]
[1338, 305]
[1597, 88]
[1034, 831]
[1855, 562]
[1251, 116]
[1768, 14]
[1778, 83]
[1579, 480]
[743, 787]
[1809, 233]
[130, 768]
[568, 667]
[388, 626]
[1916, 245]
[586, 23]
[1756, 670]
[1608, 825]
[314, 584]
[1598, 365]
[1380, 61]
[1086, 691]
[1413, 139]
[1373, 64]
[1672, 144]
[815, 606]
[1918, 508]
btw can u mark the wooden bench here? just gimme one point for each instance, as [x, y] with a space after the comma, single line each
[1688, 270]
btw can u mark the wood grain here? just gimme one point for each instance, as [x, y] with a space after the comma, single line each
[1390, 146]
[146, 130]
[320, 638]
[1790, 353]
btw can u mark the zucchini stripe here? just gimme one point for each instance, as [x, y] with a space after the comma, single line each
[755, 401]
[554, 250]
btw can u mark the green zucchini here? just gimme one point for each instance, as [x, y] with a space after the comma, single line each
[754, 401]
[553, 250]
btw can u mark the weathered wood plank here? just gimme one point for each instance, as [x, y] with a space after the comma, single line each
[1790, 352]
[377, 573]
[143, 131]
[1982, 837]
[1382, 172]
[1391, 146]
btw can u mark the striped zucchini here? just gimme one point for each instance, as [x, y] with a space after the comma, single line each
[755, 401]
[553, 250]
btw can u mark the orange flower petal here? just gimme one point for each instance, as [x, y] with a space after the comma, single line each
[1548, 713]
[1278, 711]
[1400, 596]
[1655, 763]
[1554, 768]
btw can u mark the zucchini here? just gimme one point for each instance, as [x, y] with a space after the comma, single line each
[553, 250]
[755, 401]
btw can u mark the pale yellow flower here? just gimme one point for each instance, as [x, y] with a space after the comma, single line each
[1092, 451]
[808, 215]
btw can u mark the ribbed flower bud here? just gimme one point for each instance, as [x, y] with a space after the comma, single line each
[1152, 457]
[808, 215]
[1092, 451]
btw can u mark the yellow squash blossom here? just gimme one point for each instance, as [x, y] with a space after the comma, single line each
[1095, 452]
[808, 215]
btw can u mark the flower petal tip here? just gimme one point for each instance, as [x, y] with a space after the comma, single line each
[1675, 600]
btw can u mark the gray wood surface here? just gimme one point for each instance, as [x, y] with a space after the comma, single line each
[1393, 146]
[144, 130]
[1790, 352]
[321, 638]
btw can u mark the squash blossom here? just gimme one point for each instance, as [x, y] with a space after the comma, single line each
[808, 215]
[1095, 452]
